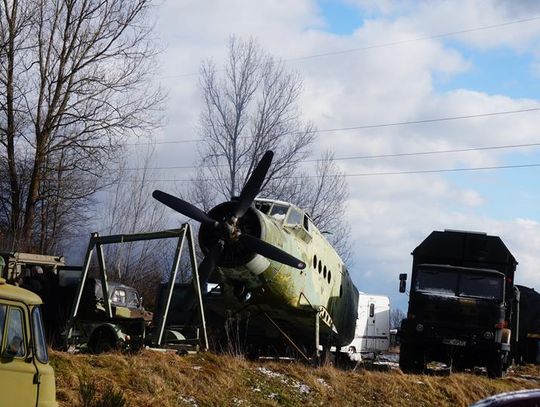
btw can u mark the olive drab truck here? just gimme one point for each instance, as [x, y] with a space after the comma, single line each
[461, 303]
[26, 378]
[40, 274]
[57, 284]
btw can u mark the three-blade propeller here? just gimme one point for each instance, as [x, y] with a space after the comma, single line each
[228, 229]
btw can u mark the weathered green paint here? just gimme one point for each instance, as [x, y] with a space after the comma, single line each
[296, 295]
[19, 384]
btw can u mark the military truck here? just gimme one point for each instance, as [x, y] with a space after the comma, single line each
[95, 332]
[26, 378]
[56, 284]
[460, 303]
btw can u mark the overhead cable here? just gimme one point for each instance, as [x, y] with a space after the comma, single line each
[387, 44]
[372, 126]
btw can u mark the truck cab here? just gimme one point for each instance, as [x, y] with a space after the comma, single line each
[26, 378]
[372, 332]
[460, 303]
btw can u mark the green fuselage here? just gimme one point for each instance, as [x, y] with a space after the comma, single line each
[251, 283]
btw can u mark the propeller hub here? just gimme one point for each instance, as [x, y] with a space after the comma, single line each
[229, 230]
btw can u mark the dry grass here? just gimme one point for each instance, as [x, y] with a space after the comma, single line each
[159, 379]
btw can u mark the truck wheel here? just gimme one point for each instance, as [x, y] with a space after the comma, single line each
[411, 359]
[101, 341]
[495, 366]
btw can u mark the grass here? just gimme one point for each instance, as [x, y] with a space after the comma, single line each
[166, 379]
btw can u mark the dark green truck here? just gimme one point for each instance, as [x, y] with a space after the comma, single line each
[461, 303]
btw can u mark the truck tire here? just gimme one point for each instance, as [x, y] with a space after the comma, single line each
[102, 340]
[411, 359]
[495, 367]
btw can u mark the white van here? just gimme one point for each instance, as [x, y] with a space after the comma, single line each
[372, 334]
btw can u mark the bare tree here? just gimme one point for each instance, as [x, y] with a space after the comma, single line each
[250, 107]
[73, 87]
[128, 207]
[396, 316]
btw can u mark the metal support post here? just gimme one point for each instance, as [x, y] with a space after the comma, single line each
[317, 338]
[172, 280]
[104, 284]
[197, 286]
[77, 302]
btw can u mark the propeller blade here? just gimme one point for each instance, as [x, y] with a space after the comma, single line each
[208, 264]
[253, 184]
[185, 208]
[272, 252]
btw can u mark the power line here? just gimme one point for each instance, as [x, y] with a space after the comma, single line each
[430, 37]
[361, 157]
[368, 174]
[438, 170]
[388, 44]
[364, 174]
[373, 126]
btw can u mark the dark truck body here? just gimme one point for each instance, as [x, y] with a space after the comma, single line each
[460, 304]
[527, 349]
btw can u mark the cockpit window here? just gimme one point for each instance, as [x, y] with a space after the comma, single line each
[306, 222]
[294, 217]
[279, 212]
[264, 207]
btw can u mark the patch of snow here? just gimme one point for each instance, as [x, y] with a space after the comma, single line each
[301, 387]
[188, 400]
[304, 389]
[323, 382]
[269, 373]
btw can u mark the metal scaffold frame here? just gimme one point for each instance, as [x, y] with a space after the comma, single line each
[97, 242]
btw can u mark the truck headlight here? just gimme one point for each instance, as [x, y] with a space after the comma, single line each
[419, 327]
[488, 335]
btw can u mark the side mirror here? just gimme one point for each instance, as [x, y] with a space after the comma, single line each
[402, 282]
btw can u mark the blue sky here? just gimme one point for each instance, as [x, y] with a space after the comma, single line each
[340, 18]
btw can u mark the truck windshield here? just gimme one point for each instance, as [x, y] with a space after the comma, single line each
[436, 281]
[461, 283]
[481, 285]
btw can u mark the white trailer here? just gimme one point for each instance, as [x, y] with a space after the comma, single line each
[372, 334]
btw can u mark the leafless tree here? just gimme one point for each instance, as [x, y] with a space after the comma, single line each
[128, 207]
[396, 316]
[250, 107]
[73, 88]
